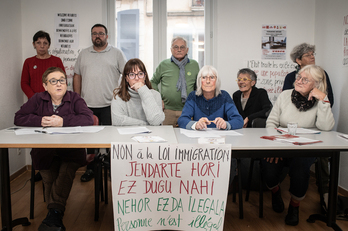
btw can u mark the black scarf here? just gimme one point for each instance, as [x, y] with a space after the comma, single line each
[302, 103]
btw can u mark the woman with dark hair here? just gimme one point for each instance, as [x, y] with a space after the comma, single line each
[55, 107]
[135, 102]
[251, 102]
[35, 66]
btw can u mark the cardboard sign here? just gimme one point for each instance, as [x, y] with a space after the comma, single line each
[169, 186]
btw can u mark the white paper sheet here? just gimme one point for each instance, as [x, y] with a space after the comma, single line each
[297, 140]
[207, 140]
[148, 139]
[59, 130]
[210, 132]
[300, 131]
[133, 130]
[343, 136]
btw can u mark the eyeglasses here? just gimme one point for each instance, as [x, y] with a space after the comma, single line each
[244, 79]
[309, 55]
[176, 48]
[55, 81]
[212, 78]
[101, 34]
[302, 79]
[140, 75]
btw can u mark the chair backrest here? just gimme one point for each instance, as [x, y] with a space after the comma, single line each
[258, 123]
[95, 120]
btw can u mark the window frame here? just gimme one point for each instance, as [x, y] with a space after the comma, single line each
[160, 29]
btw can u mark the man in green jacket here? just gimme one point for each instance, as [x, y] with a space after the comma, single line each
[177, 77]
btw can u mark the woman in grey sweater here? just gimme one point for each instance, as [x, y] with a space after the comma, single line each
[134, 101]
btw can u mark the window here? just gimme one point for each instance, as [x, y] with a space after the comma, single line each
[138, 27]
[128, 32]
[134, 26]
[185, 18]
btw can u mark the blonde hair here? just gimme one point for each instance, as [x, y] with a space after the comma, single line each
[318, 74]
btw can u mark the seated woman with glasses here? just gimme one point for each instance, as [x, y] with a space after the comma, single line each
[304, 54]
[55, 107]
[251, 102]
[208, 106]
[307, 105]
[135, 102]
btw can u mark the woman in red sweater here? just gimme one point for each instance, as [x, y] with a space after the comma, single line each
[34, 67]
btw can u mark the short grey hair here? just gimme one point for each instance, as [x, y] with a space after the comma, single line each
[318, 74]
[250, 72]
[208, 70]
[300, 50]
[178, 38]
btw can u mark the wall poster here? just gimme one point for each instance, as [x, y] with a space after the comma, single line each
[66, 42]
[273, 42]
[345, 41]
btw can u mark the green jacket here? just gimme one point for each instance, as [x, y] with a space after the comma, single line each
[167, 75]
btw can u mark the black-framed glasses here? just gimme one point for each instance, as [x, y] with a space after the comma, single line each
[302, 79]
[55, 81]
[140, 75]
[94, 34]
[176, 48]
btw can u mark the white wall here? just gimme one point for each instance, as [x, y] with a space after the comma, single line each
[239, 31]
[40, 15]
[329, 44]
[11, 97]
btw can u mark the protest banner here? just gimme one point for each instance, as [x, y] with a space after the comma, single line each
[158, 186]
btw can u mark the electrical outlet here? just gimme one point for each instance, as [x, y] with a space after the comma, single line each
[19, 151]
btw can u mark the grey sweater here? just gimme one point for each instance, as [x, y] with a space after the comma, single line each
[143, 108]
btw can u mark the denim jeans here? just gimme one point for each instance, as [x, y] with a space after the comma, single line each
[299, 172]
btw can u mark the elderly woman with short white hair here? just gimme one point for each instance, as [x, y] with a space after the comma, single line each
[208, 106]
[307, 105]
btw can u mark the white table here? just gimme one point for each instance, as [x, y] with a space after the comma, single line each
[251, 145]
[248, 145]
[102, 139]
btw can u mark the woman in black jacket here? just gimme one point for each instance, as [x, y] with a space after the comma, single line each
[251, 102]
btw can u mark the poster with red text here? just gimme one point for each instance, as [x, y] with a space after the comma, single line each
[169, 186]
[271, 75]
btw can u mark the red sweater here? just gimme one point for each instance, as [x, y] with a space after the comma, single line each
[33, 69]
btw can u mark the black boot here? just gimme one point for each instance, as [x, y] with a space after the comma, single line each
[277, 202]
[87, 176]
[38, 177]
[292, 217]
[53, 221]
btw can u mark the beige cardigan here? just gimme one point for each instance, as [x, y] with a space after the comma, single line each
[319, 116]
